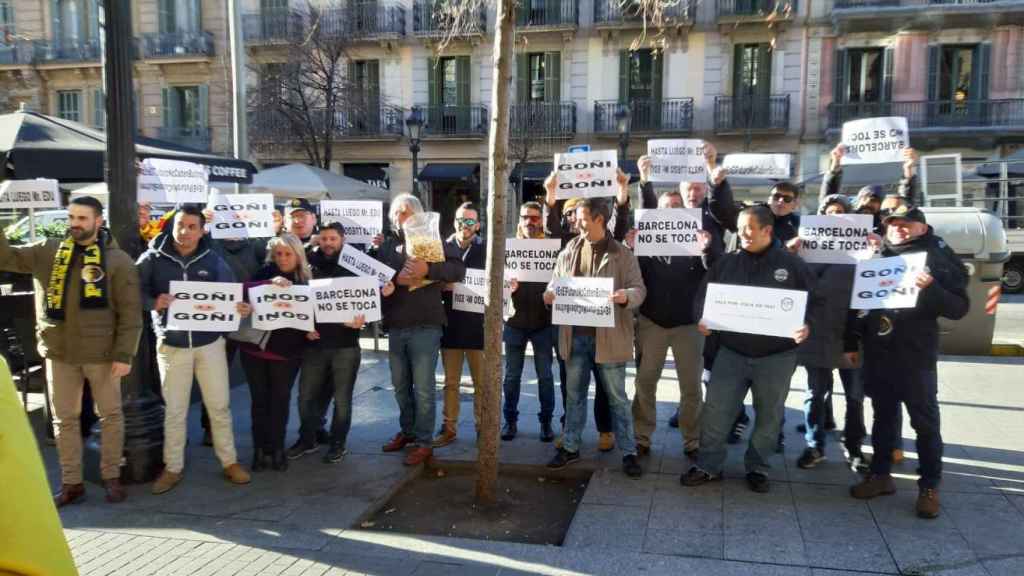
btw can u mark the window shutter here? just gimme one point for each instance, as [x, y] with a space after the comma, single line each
[196, 16]
[983, 56]
[166, 95]
[552, 76]
[840, 93]
[99, 113]
[764, 71]
[165, 10]
[888, 61]
[433, 82]
[373, 83]
[657, 75]
[552, 11]
[522, 78]
[624, 77]
[462, 77]
[737, 71]
[934, 55]
[204, 105]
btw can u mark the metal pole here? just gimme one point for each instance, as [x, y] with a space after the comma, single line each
[415, 149]
[32, 225]
[239, 106]
[143, 412]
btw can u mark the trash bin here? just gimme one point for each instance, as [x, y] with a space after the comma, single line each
[978, 238]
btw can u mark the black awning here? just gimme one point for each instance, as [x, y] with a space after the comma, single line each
[538, 171]
[448, 172]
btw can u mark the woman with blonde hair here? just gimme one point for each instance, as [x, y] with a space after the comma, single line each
[271, 366]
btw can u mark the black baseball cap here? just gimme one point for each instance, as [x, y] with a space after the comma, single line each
[905, 212]
[298, 204]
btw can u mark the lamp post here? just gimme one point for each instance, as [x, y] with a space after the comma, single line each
[622, 120]
[414, 123]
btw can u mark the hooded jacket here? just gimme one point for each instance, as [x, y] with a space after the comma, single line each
[97, 336]
[161, 264]
[464, 330]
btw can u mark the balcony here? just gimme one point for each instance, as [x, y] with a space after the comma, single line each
[543, 120]
[970, 119]
[547, 15]
[352, 123]
[429, 21]
[873, 15]
[197, 138]
[59, 52]
[751, 114]
[365, 21]
[455, 121]
[18, 53]
[671, 115]
[177, 45]
[747, 11]
[613, 13]
[275, 27]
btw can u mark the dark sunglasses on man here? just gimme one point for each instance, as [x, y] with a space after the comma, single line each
[784, 198]
[466, 222]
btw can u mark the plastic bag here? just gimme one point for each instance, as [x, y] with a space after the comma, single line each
[423, 240]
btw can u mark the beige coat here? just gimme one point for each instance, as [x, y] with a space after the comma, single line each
[613, 344]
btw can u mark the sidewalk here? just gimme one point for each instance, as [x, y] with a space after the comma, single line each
[297, 523]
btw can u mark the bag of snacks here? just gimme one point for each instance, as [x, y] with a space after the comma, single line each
[423, 240]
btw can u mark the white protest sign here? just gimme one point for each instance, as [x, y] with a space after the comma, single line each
[37, 193]
[836, 239]
[668, 232]
[508, 309]
[340, 300]
[362, 219]
[274, 307]
[241, 215]
[531, 260]
[583, 302]
[677, 160]
[470, 294]
[887, 282]
[757, 165]
[358, 263]
[587, 174]
[163, 181]
[875, 140]
[204, 306]
[754, 310]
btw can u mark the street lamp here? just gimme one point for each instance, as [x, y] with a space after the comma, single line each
[414, 123]
[622, 120]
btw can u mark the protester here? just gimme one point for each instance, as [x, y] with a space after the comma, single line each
[462, 340]
[530, 323]
[272, 365]
[179, 253]
[901, 356]
[301, 217]
[594, 254]
[89, 318]
[764, 363]
[415, 319]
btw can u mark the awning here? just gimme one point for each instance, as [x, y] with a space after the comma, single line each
[1014, 166]
[538, 171]
[448, 172]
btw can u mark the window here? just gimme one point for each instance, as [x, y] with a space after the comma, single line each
[865, 75]
[185, 107]
[99, 112]
[6, 22]
[537, 76]
[449, 82]
[365, 78]
[956, 81]
[179, 16]
[752, 73]
[69, 105]
[641, 75]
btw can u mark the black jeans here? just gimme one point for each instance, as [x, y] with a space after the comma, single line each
[923, 407]
[327, 373]
[270, 383]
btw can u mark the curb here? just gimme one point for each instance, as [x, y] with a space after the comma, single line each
[1007, 350]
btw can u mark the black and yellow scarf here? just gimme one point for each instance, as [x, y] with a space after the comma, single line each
[94, 277]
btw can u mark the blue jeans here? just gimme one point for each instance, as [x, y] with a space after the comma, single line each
[515, 354]
[733, 373]
[412, 356]
[327, 373]
[613, 377]
[819, 392]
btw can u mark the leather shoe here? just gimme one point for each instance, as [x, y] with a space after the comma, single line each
[115, 493]
[69, 494]
[397, 443]
[418, 456]
[278, 460]
[509, 431]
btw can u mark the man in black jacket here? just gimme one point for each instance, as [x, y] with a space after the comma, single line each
[463, 337]
[667, 316]
[764, 363]
[901, 356]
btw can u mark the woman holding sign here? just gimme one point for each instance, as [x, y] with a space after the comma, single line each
[272, 364]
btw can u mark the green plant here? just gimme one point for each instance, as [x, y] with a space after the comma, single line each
[54, 230]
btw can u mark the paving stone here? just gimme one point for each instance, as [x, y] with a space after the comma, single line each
[590, 527]
[685, 543]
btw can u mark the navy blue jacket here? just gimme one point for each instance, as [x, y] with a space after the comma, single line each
[161, 264]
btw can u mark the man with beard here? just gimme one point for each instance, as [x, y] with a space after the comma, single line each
[89, 316]
[331, 363]
[901, 355]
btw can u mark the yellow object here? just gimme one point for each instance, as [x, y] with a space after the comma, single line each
[31, 538]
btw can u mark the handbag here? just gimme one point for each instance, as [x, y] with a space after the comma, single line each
[249, 335]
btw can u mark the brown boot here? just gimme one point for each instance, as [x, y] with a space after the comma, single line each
[928, 503]
[397, 443]
[873, 485]
[418, 456]
[115, 493]
[69, 494]
[445, 437]
[605, 441]
[166, 482]
[897, 456]
[236, 474]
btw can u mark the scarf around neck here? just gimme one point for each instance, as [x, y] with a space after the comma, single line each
[93, 288]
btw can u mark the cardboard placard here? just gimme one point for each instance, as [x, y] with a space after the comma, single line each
[356, 262]
[470, 295]
[241, 215]
[875, 140]
[340, 300]
[836, 239]
[274, 307]
[669, 232]
[775, 166]
[531, 260]
[677, 160]
[583, 302]
[204, 306]
[887, 282]
[754, 310]
[163, 181]
[362, 219]
[37, 193]
[587, 174]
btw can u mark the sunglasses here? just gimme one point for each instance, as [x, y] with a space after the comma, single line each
[467, 222]
[530, 217]
[784, 198]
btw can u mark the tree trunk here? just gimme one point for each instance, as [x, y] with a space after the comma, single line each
[497, 181]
